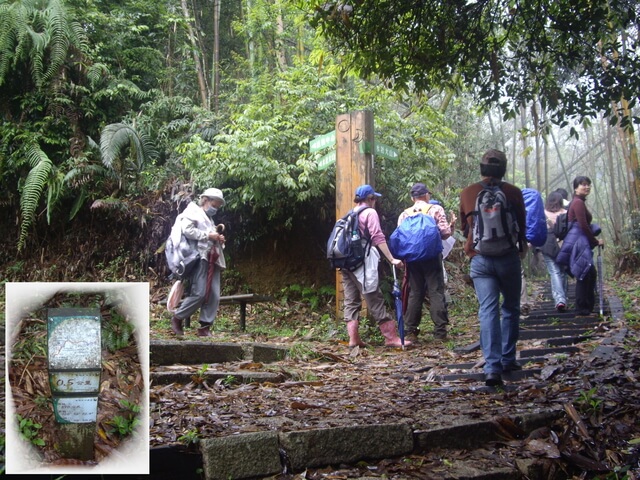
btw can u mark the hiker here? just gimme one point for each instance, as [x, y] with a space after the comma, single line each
[576, 251]
[495, 266]
[565, 196]
[197, 224]
[553, 207]
[364, 281]
[426, 276]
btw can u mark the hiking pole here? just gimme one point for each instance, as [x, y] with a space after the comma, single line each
[600, 279]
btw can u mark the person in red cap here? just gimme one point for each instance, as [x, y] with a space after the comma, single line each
[496, 274]
[364, 281]
[426, 275]
[198, 226]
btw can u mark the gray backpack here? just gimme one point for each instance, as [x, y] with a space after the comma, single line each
[495, 228]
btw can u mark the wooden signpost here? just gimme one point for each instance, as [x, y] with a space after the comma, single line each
[75, 363]
[354, 151]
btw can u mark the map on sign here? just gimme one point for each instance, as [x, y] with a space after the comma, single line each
[74, 342]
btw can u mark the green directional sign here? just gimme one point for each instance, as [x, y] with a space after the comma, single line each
[380, 149]
[385, 151]
[322, 141]
[327, 160]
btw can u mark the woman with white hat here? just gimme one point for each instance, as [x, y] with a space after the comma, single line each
[197, 225]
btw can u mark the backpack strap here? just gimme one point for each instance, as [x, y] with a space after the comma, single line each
[411, 211]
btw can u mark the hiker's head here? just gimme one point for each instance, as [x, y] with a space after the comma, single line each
[212, 195]
[582, 185]
[554, 202]
[493, 164]
[211, 200]
[419, 191]
[365, 193]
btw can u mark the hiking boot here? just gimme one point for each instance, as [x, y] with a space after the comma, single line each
[205, 330]
[411, 337]
[176, 326]
[354, 335]
[493, 380]
[511, 367]
[561, 307]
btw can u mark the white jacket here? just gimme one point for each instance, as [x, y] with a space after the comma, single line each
[196, 225]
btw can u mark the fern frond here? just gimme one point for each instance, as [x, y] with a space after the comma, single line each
[32, 191]
[116, 137]
[58, 30]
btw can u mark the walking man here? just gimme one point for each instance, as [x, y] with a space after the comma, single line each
[426, 276]
[495, 268]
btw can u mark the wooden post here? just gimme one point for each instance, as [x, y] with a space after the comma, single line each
[74, 363]
[354, 167]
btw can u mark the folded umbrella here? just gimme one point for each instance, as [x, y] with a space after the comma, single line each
[600, 280]
[397, 295]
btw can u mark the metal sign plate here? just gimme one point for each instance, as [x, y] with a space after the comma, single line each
[74, 382]
[75, 409]
[74, 339]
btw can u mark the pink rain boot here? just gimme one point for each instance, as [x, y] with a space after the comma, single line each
[354, 335]
[391, 338]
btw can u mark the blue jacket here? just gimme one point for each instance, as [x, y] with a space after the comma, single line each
[576, 252]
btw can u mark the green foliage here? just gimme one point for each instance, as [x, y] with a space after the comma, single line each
[125, 424]
[117, 332]
[190, 437]
[573, 56]
[34, 185]
[119, 137]
[315, 297]
[42, 34]
[29, 430]
[200, 376]
[588, 403]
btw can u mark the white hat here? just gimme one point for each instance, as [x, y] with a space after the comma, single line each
[213, 193]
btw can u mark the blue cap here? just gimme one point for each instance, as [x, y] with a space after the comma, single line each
[363, 191]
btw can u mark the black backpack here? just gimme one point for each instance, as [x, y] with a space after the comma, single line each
[345, 247]
[562, 225]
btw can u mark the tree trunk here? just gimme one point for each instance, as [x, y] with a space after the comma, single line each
[525, 146]
[204, 97]
[215, 77]
[280, 50]
[615, 205]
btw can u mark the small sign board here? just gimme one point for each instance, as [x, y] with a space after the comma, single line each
[74, 381]
[75, 409]
[322, 141]
[327, 160]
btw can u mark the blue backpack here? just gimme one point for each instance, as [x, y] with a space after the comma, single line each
[416, 238]
[536, 231]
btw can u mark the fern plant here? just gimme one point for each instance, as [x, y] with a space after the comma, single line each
[118, 138]
[41, 33]
[37, 179]
[116, 333]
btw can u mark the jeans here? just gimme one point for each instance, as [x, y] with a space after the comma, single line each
[558, 280]
[493, 276]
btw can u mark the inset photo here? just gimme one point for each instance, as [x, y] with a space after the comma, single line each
[77, 376]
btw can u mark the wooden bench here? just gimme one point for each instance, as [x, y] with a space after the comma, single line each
[243, 299]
